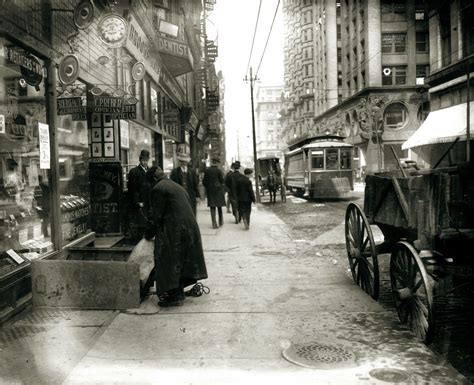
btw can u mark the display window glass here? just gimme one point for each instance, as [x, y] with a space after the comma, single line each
[25, 183]
[74, 185]
[141, 138]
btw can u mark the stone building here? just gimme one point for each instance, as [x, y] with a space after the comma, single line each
[372, 57]
[268, 126]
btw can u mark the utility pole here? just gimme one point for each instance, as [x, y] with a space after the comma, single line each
[256, 167]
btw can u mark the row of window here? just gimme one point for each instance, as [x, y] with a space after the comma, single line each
[397, 42]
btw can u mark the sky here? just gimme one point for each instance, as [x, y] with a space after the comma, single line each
[235, 24]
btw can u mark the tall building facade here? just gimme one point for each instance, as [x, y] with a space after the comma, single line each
[372, 57]
[268, 125]
[451, 91]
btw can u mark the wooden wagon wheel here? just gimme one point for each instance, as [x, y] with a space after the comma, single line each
[361, 251]
[411, 290]
[283, 193]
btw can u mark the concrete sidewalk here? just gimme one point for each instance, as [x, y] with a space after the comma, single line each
[267, 292]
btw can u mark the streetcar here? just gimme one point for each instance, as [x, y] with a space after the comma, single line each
[320, 167]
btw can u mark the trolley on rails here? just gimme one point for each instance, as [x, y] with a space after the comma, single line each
[426, 217]
[267, 165]
[320, 167]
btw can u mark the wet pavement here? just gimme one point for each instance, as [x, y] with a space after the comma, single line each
[271, 289]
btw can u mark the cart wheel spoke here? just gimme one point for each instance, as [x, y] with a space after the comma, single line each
[361, 248]
[411, 291]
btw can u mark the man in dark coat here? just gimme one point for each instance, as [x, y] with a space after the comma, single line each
[228, 188]
[186, 177]
[233, 184]
[213, 181]
[245, 196]
[138, 197]
[179, 258]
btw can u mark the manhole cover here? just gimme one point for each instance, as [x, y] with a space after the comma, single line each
[319, 356]
[389, 375]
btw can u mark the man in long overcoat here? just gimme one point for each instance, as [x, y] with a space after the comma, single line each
[232, 181]
[186, 177]
[213, 181]
[245, 196]
[179, 258]
[138, 197]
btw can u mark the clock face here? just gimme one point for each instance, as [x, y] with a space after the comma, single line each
[113, 30]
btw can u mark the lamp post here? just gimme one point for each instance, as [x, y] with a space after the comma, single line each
[256, 167]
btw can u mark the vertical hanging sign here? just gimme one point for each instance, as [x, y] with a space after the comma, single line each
[44, 148]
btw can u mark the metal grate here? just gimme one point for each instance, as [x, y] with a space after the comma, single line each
[14, 335]
[391, 375]
[319, 356]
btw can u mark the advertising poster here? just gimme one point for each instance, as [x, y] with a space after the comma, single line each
[44, 148]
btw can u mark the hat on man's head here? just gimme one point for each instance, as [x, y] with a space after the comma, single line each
[145, 154]
[183, 158]
[248, 171]
[237, 164]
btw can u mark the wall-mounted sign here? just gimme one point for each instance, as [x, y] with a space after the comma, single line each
[69, 106]
[31, 69]
[107, 105]
[113, 30]
[171, 116]
[172, 47]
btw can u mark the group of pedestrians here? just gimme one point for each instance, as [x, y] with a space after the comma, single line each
[239, 191]
[165, 209]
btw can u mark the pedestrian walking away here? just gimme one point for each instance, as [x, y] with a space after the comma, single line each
[229, 188]
[245, 196]
[213, 181]
[138, 198]
[233, 187]
[178, 253]
[185, 176]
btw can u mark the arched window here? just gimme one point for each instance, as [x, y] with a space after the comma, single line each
[395, 116]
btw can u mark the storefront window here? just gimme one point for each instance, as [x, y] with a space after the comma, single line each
[25, 190]
[141, 138]
[332, 155]
[74, 187]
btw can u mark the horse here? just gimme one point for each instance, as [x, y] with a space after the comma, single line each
[272, 186]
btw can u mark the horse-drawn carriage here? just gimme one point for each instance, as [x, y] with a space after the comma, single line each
[427, 219]
[270, 178]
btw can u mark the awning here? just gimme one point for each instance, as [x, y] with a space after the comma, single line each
[442, 126]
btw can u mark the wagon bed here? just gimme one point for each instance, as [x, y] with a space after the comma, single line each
[427, 219]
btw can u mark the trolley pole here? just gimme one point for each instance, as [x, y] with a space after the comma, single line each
[256, 168]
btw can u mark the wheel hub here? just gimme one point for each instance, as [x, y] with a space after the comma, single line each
[404, 293]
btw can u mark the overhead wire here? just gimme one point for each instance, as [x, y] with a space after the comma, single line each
[268, 38]
[254, 34]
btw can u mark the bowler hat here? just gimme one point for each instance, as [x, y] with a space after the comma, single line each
[237, 164]
[144, 154]
[248, 171]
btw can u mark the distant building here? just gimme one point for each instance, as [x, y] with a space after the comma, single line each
[356, 68]
[268, 126]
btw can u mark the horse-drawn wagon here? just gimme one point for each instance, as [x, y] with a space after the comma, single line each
[270, 178]
[427, 219]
